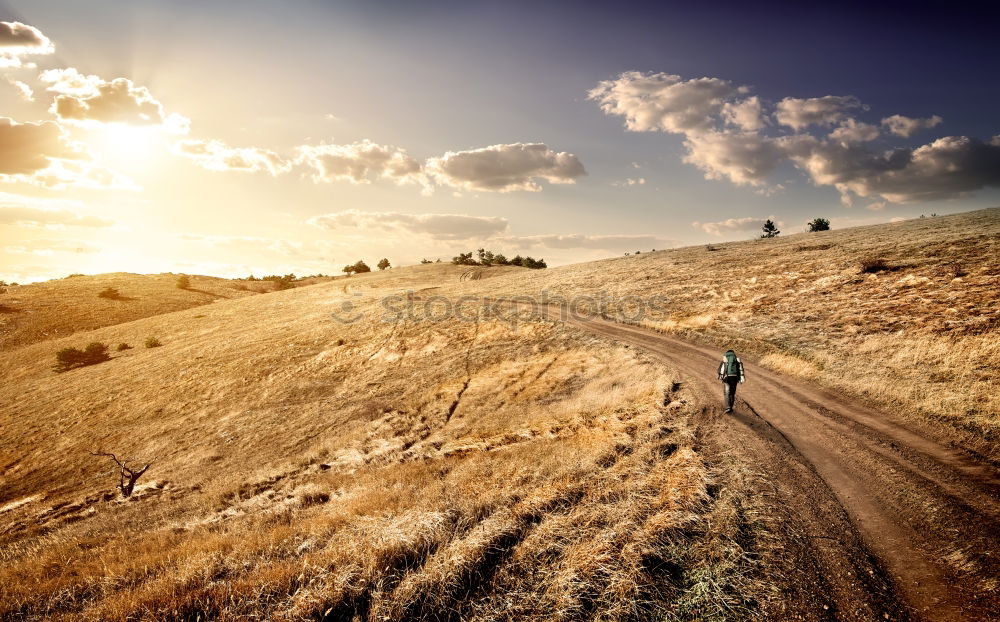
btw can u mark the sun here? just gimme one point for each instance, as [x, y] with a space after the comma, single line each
[126, 146]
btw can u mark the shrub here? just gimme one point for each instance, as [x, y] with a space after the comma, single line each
[361, 266]
[123, 346]
[183, 282]
[872, 265]
[819, 224]
[281, 282]
[426, 261]
[152, 342]
[74, 275]
[110, 293]
[383, 264]
[70, 358]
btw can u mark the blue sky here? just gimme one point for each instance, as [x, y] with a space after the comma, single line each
[256, 159]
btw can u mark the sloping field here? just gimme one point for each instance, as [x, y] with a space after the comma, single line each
[433, 458]
[917, 336]
[304, 468]
[52, 309]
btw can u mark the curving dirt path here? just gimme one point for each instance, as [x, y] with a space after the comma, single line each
[874, 521]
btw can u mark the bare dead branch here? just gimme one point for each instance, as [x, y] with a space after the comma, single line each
[127, 477]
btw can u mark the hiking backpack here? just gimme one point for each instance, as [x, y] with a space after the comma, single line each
[732, 365]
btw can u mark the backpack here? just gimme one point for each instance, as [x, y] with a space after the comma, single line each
[732, 365]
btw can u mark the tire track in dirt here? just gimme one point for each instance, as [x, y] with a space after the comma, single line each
[902, 516]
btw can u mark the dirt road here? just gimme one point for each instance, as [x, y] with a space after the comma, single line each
[873, 520]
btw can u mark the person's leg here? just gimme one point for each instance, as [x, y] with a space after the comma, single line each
[728, 394]
[732, 392]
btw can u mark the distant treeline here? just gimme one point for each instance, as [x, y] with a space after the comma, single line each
[489, 258]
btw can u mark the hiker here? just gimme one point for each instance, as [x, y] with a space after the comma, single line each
[730, 373]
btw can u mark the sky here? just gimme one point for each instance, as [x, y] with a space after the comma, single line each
[238, 137]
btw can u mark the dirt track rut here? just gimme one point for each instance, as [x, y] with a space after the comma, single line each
[878, 522]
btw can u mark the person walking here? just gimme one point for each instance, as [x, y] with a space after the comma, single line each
[731, 374]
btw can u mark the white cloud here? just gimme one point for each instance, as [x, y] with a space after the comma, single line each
[801, 113]
[744, 159]
[630, 181]
[48, 217]
[851, 131]
[17, 40]
[360, 163]
[660, 101]
[89, 100]
[215, 155]
[748, 223]
[907, 126]
[747, 114]
[436, 226]
[24, 91]
[877, 206]
[505, 168]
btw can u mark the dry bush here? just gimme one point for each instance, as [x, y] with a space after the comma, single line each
[71, 358]
[871, 265]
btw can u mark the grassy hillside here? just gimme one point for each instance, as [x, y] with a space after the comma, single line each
[465, 465]
[304, 467]
[51, 309]
[918, 335]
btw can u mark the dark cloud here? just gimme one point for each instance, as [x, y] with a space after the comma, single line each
[26, 148]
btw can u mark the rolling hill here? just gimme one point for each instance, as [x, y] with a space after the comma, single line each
[400, 445]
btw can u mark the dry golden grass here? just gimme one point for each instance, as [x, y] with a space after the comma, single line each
[304, 468]
[53, 309]
[309, 469]
[917, 338]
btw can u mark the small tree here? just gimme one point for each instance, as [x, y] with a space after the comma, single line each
[770, 229]
[348, 270]
[183, 282]
[361, 266]
[383, 264]
[819, 224]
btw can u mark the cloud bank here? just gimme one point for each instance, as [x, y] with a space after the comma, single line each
[728, 136]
